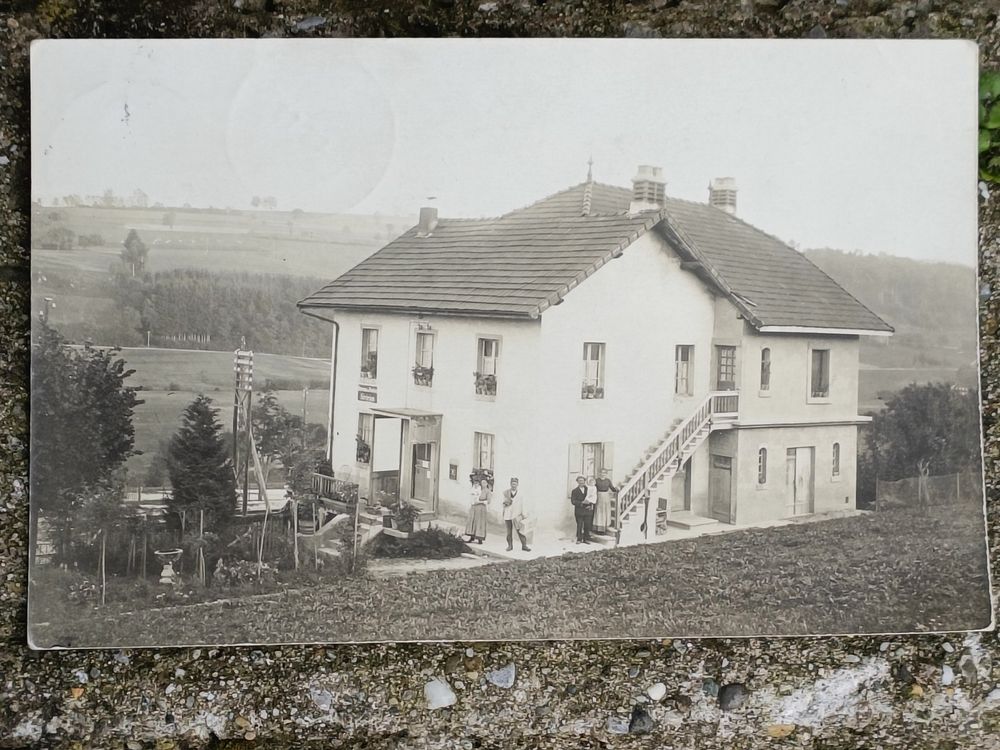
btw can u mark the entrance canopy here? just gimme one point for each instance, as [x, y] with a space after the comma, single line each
[405, 412]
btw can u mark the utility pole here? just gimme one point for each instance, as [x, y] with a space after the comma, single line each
[242, 399]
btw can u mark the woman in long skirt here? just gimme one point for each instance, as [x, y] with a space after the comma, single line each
[603, 513]
[475, 527]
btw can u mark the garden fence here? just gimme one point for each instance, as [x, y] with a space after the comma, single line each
[940, 490]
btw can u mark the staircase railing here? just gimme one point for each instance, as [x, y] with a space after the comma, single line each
[717, 404]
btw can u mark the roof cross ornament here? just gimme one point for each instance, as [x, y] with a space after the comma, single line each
[588, 192]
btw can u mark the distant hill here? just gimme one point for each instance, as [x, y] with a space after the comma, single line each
[932, 306]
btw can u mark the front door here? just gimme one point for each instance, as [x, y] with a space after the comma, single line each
[680, 490]
[720, 488]
[799, 480]
[423, 473]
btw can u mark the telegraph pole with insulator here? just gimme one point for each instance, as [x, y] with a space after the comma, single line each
[243, 367]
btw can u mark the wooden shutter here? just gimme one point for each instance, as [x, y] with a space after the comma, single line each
[575, 465]
[608, 462]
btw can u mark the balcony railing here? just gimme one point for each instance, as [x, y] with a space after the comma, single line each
[332, 488]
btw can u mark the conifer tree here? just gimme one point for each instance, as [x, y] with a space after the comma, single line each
[201, 473]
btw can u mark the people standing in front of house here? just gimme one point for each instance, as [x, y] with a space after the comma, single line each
[603, 510]
[515, 516]
[475, 526]
[582, 510]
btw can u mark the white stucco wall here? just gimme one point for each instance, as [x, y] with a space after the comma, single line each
[641, 306]
[756, 502]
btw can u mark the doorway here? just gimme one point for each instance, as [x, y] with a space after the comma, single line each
[800, 480]
[423, 479]
[720, 488]
[680, 488]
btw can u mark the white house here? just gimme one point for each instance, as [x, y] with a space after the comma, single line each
[712, 369]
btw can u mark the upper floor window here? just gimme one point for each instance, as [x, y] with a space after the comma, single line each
[819, 374]
[369, 353]
[593, 371]
[483, 451]
[835, 471]
[765, 369]
[488, 354]
[683, 361]
[725, 376]
[762, 466]
[366, 424]
[423, 367]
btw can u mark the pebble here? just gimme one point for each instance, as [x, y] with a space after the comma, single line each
[680, 647]
[503, 677]
[453, 663]
[968, 669]
[439, 694]
[617, 725]
[852, 658]
[643, 654]
[732, 696]
[884, 646]
[947, 648]
[947, 675]
[710, 687]
[640, 722]
[470, 652]
[656, 691]
[81, 677]
[633, 672]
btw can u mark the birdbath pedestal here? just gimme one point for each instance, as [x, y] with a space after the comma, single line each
[168, 557]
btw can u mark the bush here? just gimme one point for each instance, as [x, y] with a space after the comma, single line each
[429, 544]
[232, 573]
[89, 240]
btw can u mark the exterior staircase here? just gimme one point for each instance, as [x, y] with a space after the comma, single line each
[664, 458]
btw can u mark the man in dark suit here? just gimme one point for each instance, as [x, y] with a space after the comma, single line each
[583, 511]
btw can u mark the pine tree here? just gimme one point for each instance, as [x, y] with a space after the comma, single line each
[201, 473]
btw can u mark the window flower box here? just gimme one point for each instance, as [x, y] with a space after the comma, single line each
[423, 375]
[589, 391]
[486, 384]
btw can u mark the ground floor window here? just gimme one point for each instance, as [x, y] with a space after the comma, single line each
[762, 466]
[366, 425]
[483, 450]
[836, 460]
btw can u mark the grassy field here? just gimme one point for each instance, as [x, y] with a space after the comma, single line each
[890, 572]
[171, 378]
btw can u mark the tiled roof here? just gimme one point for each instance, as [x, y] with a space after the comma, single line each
[519, 264]
[774, 284]
[512, 266]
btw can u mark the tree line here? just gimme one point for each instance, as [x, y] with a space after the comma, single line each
[196, 309]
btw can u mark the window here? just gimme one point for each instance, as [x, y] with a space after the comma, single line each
[765, 369]
[423, 367]
[483, 451]
[683, 360]
[726, 374]
[488, 352]
[593, 459]
[366, 424]
[369, 353]
[819, 379]
[762, 466]
[836, 460]
[593, 371]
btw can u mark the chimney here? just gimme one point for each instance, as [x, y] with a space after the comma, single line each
[428, 221]
[722, 194]
[647, 189]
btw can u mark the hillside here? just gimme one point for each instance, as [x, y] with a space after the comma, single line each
[932, 306]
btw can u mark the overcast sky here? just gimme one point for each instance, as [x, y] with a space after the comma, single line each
[854, 145]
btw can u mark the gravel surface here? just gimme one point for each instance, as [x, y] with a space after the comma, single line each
[914, 692]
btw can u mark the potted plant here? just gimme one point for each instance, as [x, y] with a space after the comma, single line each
[369, 368]
[363, 452]
[405, 516]
[598, 392]
[486, 384]
[589, 391]
[423, 375]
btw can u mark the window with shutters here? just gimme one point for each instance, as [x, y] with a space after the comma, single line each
[819, 374]
[593, 371]
[487, 358]
[683, 363]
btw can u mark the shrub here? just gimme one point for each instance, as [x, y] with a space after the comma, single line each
[89, 240]
[431, 544]
[235, 572]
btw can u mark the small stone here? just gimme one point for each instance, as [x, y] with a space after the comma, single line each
[180, 672]
[617, 725]
[12, 23]
[732, 696]
[884, 646]
[916, 691]
[681, 702]
[643, 654]
[250, 736]
[439, 694]
[322, 699]
[81, 677]
[633, 672]
[903, 674]
[852, 658]
[470, 652]
[947, 648]
[780, 731]
[640, 722]
[121, 657]
[968, 669]
[503, 677]
[76, 692]
[710, 687]
[488, 7]
[309, 23]
[189, 703]
[725, 662]
[473, 663]
[242, 722]
[680, 647]
[993, 696]
[817, 32]
[453, 663]
[656, 691]
[947, 675]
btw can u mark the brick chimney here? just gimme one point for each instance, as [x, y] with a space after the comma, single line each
[647, 189]
[428, 221]
[722, 194]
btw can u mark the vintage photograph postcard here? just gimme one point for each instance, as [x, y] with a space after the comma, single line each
[413, 340]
